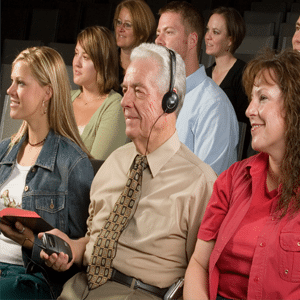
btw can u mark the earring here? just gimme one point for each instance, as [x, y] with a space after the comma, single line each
[45, 111]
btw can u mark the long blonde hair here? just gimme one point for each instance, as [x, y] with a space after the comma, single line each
[49, 69]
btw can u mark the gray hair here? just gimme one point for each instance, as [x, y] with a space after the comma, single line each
[162, 56]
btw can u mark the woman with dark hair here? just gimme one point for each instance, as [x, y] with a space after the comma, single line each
[97, 105]
[248, 242]
[134, 24]
[224, 34]
[45, 168]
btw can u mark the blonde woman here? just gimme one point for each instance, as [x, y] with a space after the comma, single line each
[45, 168]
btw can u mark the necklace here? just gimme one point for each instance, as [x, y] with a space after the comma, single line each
[37, 144]
[95, 99]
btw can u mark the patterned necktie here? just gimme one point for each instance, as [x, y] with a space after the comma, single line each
[100, 269]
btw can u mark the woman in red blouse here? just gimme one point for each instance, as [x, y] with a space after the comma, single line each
[249, 240]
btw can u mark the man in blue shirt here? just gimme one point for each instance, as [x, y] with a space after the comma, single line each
[207, 123]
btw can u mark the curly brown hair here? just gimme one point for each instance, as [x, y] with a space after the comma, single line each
[284, 70]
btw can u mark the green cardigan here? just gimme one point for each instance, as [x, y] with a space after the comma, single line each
[105, 131]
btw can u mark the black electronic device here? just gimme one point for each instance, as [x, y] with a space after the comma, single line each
[175, 291]
[170, 100]
[54, 244]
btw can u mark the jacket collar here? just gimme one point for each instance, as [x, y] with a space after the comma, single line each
[47, 156]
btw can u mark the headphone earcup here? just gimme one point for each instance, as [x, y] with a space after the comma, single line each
[170, 102]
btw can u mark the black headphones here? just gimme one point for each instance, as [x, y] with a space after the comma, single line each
[170, 100]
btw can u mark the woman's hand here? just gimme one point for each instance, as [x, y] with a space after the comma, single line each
[20, 234]
[58, 262]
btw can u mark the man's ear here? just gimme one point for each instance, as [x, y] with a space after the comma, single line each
[193, 40]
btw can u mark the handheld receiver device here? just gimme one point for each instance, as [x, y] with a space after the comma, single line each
[54, 244]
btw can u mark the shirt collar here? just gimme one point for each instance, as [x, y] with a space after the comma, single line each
[47, 156]
[160, 156]
[193, 80]
[257, 164]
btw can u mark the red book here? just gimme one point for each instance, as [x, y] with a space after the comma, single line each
[28, 218]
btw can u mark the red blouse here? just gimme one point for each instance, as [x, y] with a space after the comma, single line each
[255, 256]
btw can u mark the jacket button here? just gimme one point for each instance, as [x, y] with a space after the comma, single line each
[262, 244]
[51, 206]
[26, 188]
[286, 271]
[256, 279]
[33, 170]
[298, 244]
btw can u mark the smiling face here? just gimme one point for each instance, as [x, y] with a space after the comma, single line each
[217, 40]
[296, 37]
[171, 33]
[26, 94]
[84, 73]
[266, 115]
[142, 99]
[124, 32]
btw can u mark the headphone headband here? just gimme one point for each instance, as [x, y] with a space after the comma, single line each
[170, 100]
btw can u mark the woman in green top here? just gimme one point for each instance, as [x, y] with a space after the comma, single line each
[96, 105]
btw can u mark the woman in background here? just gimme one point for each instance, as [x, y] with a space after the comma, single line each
[224, 34]
[248, 241]
[45, 168]
[97, 105]
[134, 24]
[296, 36]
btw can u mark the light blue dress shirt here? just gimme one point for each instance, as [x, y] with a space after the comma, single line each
[207, 123]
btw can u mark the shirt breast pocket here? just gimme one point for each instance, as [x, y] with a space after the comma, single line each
[289, 263]
[52, 208]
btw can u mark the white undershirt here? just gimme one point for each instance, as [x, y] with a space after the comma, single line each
[10, 251]
[80, 129]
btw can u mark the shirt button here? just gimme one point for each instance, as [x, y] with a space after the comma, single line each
[286, 271]
[262, 244]
[26, 188]
[256, 279]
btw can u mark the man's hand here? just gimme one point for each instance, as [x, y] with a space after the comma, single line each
[58, 262]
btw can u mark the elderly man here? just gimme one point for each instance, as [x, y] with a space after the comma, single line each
[207, 123]
[151, 251]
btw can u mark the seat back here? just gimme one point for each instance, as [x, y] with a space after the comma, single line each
[254, 29]
[260, 17]
[96, 163]
[8, 126]
[44, 25]
[251, 46]
[65, 50]
[242, 135]
[11, 48]
[74, 86]
[205, 59]
[286, 30]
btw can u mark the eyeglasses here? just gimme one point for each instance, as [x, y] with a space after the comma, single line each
[126, 25]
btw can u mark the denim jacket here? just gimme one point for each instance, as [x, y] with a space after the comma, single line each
[57, 188]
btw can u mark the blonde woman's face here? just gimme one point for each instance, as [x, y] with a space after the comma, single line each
[26, 94]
